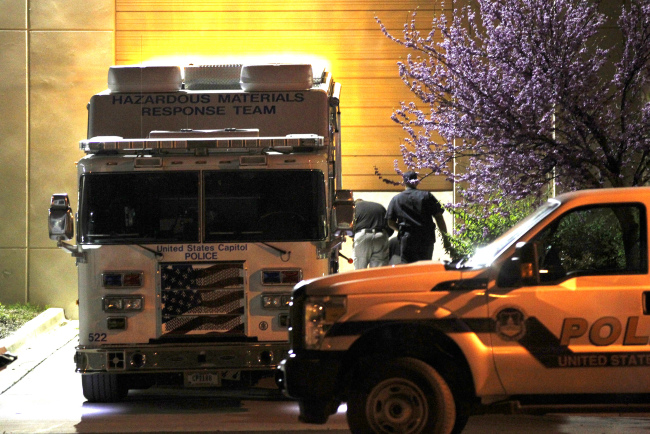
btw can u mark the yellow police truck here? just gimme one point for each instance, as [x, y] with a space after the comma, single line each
[554, 314]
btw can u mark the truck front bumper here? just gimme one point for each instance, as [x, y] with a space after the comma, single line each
[170, 358]
[311, 376]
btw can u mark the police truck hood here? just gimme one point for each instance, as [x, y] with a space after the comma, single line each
[417, 277]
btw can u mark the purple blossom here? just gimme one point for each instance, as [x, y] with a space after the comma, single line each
[527, 92]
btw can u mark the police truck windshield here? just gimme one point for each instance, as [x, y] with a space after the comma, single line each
[237, 206]
[484, 256]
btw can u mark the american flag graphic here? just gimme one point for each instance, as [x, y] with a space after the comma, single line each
[179, 290]
[199, 298]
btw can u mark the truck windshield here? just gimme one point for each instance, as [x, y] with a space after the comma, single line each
[484, 256]
[139, 207]
[264, 205]
[164, 207]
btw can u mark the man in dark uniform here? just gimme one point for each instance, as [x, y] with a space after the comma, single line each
[411, 213]
[370, 235]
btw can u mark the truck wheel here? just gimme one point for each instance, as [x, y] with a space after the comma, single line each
[316, 411]
[403, 395]
[104, 387]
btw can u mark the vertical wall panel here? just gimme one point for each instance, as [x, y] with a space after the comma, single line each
[13, 175]
[14, 14]
[13, 153]
[72, 15]
[13, 136]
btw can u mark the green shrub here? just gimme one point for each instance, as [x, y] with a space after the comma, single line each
[477, 225]
[14, 316]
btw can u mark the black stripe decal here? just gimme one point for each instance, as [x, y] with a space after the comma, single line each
[445, 325]
[546, 348]
[538, 340]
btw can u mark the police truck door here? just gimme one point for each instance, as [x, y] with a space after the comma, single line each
[584, 325]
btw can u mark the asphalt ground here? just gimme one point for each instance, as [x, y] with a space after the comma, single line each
[49, 340]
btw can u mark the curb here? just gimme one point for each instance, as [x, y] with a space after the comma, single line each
[43, 323]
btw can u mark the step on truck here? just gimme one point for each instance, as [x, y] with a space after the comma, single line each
[204, 196]
[554, 315]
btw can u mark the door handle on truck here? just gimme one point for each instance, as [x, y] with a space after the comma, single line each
[646, 302]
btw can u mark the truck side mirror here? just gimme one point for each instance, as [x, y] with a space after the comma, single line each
[521, 269]
[343, 212]
[60, 221]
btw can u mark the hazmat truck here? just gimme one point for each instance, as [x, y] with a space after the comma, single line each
[206, 193]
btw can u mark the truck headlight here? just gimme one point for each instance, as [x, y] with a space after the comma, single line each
[275, 301]
[116, 303]
[320, 314]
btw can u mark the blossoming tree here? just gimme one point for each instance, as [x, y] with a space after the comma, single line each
[527, 91]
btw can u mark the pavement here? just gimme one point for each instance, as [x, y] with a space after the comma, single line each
[35, 342]
[46, 344]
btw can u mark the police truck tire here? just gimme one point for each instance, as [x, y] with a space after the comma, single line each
[314, 411]
[403, 395]
[104, 387]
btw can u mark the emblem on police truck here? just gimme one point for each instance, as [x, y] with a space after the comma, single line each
[510, 324]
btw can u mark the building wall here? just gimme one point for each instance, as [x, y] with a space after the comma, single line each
[54, 55]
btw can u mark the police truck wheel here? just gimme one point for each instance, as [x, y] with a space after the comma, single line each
[104, 387]
[314, 411]
[405, 396]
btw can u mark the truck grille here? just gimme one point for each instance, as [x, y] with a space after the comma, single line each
[202, 298]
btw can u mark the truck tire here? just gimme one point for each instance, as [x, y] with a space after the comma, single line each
[104, 387]
[316, 411]
[403, 395]
[313, 411]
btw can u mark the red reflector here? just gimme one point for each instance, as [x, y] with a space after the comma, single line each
[281, 277]
[133, 279]
[290, 276]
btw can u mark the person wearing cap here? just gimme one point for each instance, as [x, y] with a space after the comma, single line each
[412, 213]
[370, 235]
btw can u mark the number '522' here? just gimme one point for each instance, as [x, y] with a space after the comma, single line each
[97, 337]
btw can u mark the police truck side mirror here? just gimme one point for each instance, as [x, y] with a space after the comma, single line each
[343, 212]
[60, 221]
[521, 269]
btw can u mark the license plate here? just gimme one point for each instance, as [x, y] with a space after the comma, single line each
[202, 379]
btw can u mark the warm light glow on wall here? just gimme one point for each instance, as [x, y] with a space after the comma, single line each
[318, 63]
[339, 35]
